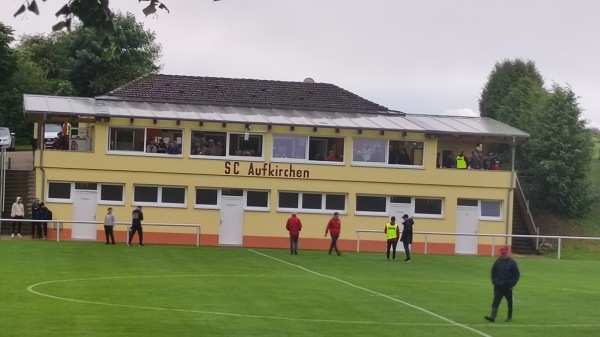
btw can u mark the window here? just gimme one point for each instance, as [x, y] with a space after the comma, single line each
[428, 206]
[206, 196]
[257, 199]
[59, 191]
[387, 152]
[468, 202]
[111, 193]
[232, 192]
[86, 186]
[146, 140]
[400, 200]
[208, 143]
[245, 145]
[319, 148]
[491, 209]
[371, 204]
[312, 202]
[159, 196]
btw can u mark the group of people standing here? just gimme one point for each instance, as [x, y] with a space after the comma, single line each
[39, 211]
[334, 226]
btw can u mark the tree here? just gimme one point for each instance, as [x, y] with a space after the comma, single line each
[503, 77]
[8, 60]
[560, 151]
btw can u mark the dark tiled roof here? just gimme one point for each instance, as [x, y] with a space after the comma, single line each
[243, 92]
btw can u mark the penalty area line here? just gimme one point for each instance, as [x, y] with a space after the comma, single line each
[452, 323]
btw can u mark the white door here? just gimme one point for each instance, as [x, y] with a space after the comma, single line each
[85, 205]
[398, 210]
[231, 231]
[467, 221]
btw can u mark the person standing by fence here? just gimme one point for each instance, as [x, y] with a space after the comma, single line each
[136, 225]
[109, 225]
[407, 235]
[36, 227]
[392, 231]
[17, 212]
[334, 227]
[44, 214]
[294, 226]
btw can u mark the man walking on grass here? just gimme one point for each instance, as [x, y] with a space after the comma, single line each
[136, 225]
[294, 226]
[505, 275]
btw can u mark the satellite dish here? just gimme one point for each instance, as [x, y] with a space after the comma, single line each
[308, 80]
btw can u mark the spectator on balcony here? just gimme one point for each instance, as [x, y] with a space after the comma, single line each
[394, 156]
[461, 161]
[172, 148]
[485, 162]
[476, 161]
[495, 163]
[331, 156]
[151, 148]
[449, 161]
[161, 147]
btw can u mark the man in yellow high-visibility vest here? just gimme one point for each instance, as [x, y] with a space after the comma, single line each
[392, 231]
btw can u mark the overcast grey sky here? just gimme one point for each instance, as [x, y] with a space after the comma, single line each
[417, 56]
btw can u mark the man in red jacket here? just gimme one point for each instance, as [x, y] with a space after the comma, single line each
[334, 227]
[294, 226]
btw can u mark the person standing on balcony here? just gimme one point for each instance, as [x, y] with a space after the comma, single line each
[109, 226]
[505, 275]
[294, 226]
[136, 225]
[461, 161]
[407, 235]
[392, 232]
[17, 212]
[334, 227]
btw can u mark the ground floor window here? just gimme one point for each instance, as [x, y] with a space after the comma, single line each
[159, 196]
[59, 191]
[309, 202]
[488, 209]
[111, 194]
[380, 205]
[254, 200]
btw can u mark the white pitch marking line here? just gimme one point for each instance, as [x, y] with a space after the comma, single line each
[31, 289]
[481, 333]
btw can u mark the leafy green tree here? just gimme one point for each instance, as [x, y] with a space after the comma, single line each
[503, 77]
[8, 60]
[560, 152]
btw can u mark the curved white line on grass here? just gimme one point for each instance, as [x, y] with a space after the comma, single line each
[31, 290]
[481, 333]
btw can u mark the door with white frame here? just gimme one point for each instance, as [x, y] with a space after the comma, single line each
[467, 221]
[398, 210]
[231, 229]
[85, 205]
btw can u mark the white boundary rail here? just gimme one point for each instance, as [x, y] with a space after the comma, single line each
[58, 225]
[560, 238]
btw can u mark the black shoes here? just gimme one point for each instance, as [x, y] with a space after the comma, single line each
[490, 318]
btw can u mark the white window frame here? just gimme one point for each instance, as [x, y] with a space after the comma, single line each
[306, 159]
[412, 204]
[426, 215]
[227, 140]
[159, 202]
[205, 206]
[386, 155]
[61, 200]
[144, 153]
[490, 218]
[323, 210]
[255, 208]
[371, 213]
[110, 202]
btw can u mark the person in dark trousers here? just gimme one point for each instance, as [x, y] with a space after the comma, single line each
[109, 226]
[136, 225]
[407, 235]
[505, 275]
[44, 214]
[392, 232]
[36, 227]
[334, 227]
[294, 226]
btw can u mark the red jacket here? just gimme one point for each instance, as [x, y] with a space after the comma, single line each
[294, 226]
[334, 226]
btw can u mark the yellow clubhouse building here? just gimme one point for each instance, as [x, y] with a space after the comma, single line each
[238, 156]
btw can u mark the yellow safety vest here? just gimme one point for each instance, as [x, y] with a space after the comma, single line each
[391, 231]
[461, 163]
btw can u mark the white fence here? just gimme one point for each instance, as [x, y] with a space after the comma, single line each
[493, 236]
[57, 225]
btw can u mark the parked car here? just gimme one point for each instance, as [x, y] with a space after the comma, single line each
[7, 139]
[50, 133]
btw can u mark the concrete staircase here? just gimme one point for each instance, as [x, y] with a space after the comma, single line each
[19, 183]
[522, 225]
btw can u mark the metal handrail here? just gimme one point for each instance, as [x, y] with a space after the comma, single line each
[535, 228]
[560, 238]
[59, 223]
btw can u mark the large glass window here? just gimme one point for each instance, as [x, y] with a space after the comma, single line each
[405, 153]
[387, 152]
[421, 207]
[159, 196]
[146, 140]
[369, 150]
[245, 145]
[308, 148]
[366, 203]
[59, 190]
[208, 143]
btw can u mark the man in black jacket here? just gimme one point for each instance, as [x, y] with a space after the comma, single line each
[136, 225]
[505, 275]
[407, 235]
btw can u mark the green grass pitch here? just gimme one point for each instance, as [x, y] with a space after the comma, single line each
[90, 289]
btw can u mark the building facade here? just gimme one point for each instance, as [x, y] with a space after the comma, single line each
[239, 156]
